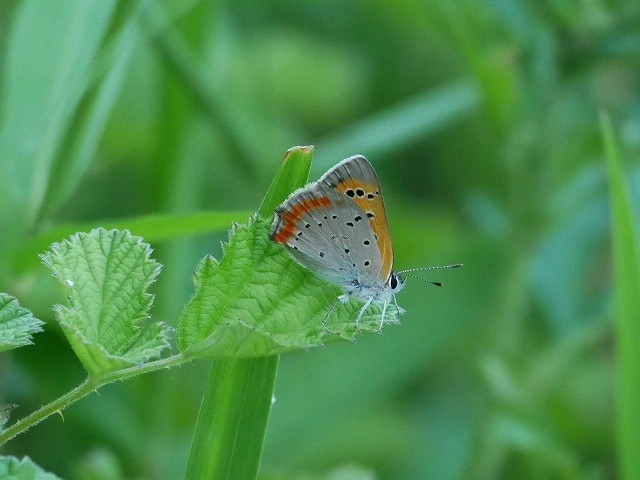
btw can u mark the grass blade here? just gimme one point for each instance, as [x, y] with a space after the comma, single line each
[88, 122]
[626, 260]
[232, 420]
[44, 80]
[228, 438]
[394, 128]
[153, 228]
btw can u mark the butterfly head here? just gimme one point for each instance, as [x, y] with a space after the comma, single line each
[396, 282]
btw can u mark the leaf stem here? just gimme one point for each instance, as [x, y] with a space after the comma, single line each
[57, 405]
[84, 389]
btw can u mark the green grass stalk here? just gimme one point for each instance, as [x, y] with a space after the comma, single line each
[229, 434]
[626, 261]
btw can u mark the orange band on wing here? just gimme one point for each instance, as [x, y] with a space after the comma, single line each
[290, 217]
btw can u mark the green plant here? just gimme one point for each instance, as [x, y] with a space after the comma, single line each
[481, 118]
[249, 307]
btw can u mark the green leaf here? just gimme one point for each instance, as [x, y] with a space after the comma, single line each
[258, 301]
[17, 324]
[13, 469]
[626, 260]
[107, 274]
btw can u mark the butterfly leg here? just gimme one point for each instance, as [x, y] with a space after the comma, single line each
[398, 308]
[333, 305]
[364, 307]
[384, 310]
[344, 297]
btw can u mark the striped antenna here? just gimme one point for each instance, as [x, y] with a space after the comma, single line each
[437, 284]
[455, 265]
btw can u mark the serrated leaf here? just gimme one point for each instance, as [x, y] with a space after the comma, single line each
[12, 468]
[107, 274]
[258, 301]
[17, 324]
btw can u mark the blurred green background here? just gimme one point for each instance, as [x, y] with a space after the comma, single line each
[481, 118]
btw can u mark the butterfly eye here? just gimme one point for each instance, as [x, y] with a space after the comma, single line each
[394, 282]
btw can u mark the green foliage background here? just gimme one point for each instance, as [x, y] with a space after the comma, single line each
[481, 118]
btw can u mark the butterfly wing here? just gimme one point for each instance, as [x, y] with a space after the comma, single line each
[327, 232]
[356, 178]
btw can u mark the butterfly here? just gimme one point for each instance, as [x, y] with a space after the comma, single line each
[337, 227]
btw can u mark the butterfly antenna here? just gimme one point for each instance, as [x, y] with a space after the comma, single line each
[437, 284]
[455, 265]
